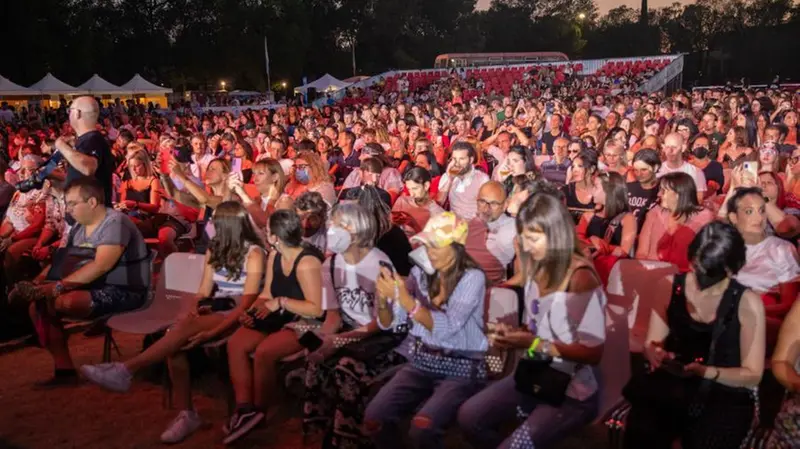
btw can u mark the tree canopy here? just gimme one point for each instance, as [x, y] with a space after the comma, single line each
[193, 44]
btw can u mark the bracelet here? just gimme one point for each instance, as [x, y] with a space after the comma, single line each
[417, 307]
[533, 346]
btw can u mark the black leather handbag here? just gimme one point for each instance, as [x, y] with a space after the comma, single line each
[535, 376]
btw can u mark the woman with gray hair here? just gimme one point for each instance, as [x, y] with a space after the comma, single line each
[354, 350]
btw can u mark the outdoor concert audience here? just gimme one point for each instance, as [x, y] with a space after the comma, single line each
[640, 174]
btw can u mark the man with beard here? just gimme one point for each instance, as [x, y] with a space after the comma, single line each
[461, 183]
[313, 213]
[413, 210]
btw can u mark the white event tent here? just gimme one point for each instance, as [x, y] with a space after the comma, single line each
[98, 86]
[326, 83]
[139, 85]
[50, 85]
[10, 89]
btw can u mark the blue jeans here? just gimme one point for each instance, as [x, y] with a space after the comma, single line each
[403, 394]
[482, 416]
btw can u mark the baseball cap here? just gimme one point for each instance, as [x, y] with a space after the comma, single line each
[443, 230]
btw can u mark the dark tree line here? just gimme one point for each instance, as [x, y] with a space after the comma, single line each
[191, 44]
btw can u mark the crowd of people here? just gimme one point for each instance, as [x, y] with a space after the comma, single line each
[369, 238]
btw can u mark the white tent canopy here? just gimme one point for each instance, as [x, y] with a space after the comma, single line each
[98, 86]
[139, 85]
[326, 83]
[9, 89]
[50, 85]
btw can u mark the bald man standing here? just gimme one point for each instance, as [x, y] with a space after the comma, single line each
[91, 155]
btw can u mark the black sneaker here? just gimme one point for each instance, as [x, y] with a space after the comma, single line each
[62, 379]
[241, 423]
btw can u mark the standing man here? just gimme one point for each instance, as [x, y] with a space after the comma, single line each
[91, 156]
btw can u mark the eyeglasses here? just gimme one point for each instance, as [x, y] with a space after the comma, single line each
[492, 204]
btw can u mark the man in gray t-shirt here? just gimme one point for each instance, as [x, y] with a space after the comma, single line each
[104, 270]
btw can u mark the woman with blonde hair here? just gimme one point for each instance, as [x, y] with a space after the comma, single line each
[309, 175]
[269, 182]
[578, 123]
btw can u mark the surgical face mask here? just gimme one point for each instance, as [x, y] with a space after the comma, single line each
[420, 258]
[301, 175]
[338, 240]
[700, 152]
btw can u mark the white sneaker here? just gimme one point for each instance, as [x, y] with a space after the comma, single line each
[111, 376]
[181, 427]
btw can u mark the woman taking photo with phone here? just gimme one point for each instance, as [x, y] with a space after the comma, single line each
[291, 290]
[566, 330]
[443, 307]
[705, 351]
[235, 264]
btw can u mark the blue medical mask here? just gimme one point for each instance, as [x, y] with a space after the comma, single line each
[301, 175]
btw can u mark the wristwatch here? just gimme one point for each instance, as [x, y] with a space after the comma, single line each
[544, 347]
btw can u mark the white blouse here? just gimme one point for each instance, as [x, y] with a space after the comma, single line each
[570, 318]
[769, 264]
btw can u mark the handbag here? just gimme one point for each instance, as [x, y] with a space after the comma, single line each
[535, 376]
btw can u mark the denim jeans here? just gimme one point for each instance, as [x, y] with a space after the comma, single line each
[481, 417]
[403, 394]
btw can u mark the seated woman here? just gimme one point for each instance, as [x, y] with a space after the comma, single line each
[706, 352]
[313, 213]
[565, 302]
[444, 310]
[783, 211]
[413, 209]
[670, 227]
[242, 159]
[610, 231]
[427, 161]
[140, 199]
[337, 384]
[292, 289]
[614, 159]
[580, 184]
[234, 269]
[390, 238]
[269, 181]
[786, 368]
[23, 223]
[771, 267]
[518, 161]
[310, 176]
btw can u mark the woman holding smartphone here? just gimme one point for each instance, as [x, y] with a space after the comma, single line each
[566, 310]
[338, 383]
[291, 290]
[235, 264]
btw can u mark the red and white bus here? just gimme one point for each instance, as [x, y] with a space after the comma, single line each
[450, 60]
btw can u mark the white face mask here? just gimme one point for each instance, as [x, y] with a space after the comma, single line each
[338, 239]
[420, 258]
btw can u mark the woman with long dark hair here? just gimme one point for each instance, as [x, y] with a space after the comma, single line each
[445, 305]
[234, 269]
[566, 309]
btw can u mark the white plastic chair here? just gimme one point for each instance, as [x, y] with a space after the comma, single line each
[175, 293]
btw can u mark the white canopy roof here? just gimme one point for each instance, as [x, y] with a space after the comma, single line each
[139, 85]
[8, 89]
[98, 86]
[326, 83]
[50, 85]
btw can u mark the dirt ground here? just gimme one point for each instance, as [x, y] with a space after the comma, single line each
[86, 417]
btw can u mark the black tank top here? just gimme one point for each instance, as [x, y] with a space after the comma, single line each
[288, 286]
[598, 226]
[140, 196]
[576, 208]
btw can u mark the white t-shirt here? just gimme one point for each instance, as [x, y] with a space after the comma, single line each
[570, 318]
[354, 292]
[769, 263]
[689, 169]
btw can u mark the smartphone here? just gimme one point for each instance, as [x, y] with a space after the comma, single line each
[310, 341]
[750, 168]
[673, 367]
[386, 265]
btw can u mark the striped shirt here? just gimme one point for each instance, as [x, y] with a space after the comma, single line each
[459, 324]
